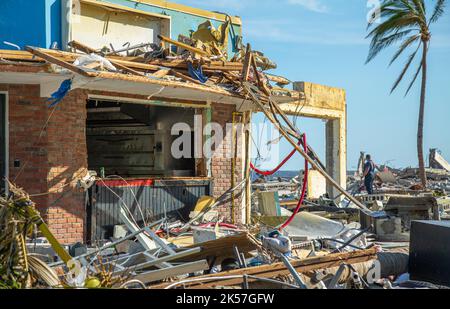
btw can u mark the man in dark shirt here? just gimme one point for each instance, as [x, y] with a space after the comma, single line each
[369, 174]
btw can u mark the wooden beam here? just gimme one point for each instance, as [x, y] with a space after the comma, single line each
[247, 64]
[261, 84]
[277, 269]
[144, 99]
[168, 5]
[183, 45]
[223, 247]
[212, 65]
[278, 79]
[161, 73]
[131, 62]
[124, 9]
[70, 57]
[42, 54]
[313, 163]
[185, 77]
[89, 50]
[83, 48]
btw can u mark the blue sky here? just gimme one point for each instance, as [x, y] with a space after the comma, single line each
[323, 41]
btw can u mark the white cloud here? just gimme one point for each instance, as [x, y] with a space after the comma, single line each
[288, 31]
[312, 5]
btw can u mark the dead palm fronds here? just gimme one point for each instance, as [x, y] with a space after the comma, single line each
[17, 269]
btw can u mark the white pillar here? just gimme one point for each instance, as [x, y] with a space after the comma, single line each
[336, 153]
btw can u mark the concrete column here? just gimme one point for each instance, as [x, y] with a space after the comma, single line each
[336, 153]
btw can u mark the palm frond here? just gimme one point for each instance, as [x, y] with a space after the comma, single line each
[414, 79]
[420, 6]
[404, 45]
[394, 24]
[438, 11]
[379, 44]
[407, 4]
[405, 69]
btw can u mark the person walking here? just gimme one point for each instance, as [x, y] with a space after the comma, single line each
[369, 174]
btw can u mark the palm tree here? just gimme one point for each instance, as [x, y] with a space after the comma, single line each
[406, 22]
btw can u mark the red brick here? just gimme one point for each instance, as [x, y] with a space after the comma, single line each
[60, 152]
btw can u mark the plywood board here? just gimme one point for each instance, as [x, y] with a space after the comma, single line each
[98, 27]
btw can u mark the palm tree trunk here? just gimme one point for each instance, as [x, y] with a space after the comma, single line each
[422, 173]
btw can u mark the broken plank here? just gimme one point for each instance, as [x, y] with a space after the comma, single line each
[208, 66]
[161, 73]
[247, 64]
[71, 57]
[166, 273]
[261, 84]
[231, 78]
[81, 47]
[90, 50]
[185, 77]
[130, 62]
[42, 54]
[277, 269]
[254, 95]
[183, 45]
[223, 247]
[278, 79]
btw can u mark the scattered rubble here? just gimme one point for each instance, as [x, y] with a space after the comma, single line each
[353, 241]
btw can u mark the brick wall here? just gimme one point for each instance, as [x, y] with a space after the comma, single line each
[51, 157]
[27, 116]
[222, 165]
[67, 159]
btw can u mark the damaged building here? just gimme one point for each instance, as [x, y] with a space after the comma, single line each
[112, 130]
[127, 153]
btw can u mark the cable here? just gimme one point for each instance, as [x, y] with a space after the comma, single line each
[121, 199]
[304, 186]
[132, 193]
[54, 191]
[35, 143]
[269, 173]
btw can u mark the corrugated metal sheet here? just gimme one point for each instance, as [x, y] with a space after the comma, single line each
[155, 199]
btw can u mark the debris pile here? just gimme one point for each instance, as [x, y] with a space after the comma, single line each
[320, 244]
[314, 253]
[201, 59]
[406, 181]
